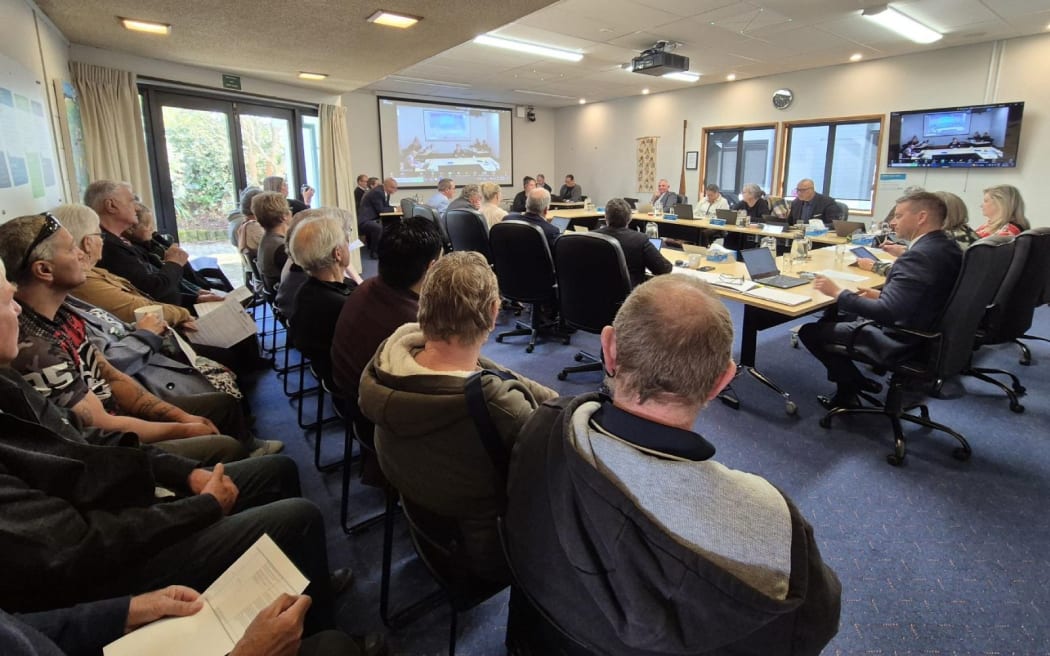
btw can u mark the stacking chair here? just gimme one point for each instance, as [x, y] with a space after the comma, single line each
[1010, 317]
[940, 353]
[525, 270]
[468, 231]
[356, 426]
[438, 543]
[580, 259]
[320, 366]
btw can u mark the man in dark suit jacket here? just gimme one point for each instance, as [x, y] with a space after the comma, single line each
[808, 204]
[536, 206]
[528, 183]
[541, 181]
[638, 251]
[570, 191]
[916, 291]
[360, 190]
[373, 204]
[664, 197]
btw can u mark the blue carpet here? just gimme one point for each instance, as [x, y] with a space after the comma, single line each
[936, 557]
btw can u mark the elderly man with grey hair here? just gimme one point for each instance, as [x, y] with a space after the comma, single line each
[469, 199]
[537, 203]
[319, 245]
[620, 520]
[638, 251]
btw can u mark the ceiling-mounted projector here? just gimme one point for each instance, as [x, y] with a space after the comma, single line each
[659, 60]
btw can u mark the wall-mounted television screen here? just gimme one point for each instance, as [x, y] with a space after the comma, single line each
[956, 137]
[422, 142]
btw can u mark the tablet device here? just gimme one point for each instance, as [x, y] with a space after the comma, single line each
[656, 242]
[561, 223]
[863, 253]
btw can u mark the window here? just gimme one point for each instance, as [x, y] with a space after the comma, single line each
[840, 156]
[735, 156]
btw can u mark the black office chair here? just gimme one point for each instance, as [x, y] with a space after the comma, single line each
[941, 353]
[843, 210]
[1011, 314]
[633, 202]
[525, 270]
[407, 206]
[438, 543]
[593, 283]
[428, 212]
[468, 231]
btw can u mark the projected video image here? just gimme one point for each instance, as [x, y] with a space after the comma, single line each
[424, 142]
[957, 137]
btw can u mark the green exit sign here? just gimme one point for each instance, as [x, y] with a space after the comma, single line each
[231, 82]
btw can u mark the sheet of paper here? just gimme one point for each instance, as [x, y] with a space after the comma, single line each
[717, 280]
[240, 295]
[253, 582]
[204, 308]
[186, 349]
[223, 326]
[356, 244]
[778, 296]
[841, 275]
[773, 229]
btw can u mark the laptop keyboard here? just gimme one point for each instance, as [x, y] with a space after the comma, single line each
[783, 281]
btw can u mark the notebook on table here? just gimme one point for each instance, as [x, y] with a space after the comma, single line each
[763, 269]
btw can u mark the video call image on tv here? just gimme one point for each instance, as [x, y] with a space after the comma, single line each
[956, 137]
[422, 142]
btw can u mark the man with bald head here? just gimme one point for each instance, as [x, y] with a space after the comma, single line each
[537, 203]
[664, 198]
[808, 204]
[375, 202]
[619, 519]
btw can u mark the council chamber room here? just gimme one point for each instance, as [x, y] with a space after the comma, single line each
[549, 327]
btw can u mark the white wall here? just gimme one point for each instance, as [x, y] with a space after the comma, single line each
[597, 141]
[533, 142]
[29, 38]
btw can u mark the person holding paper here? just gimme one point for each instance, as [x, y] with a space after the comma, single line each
[88, 514]
[56, 357]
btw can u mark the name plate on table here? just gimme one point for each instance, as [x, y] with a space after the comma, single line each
[774, 229]
[717, 222]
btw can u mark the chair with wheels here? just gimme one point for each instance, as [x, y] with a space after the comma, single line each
[408, 206]
[843, 210]
[428, 212]
[940, 353]
[1011, 314]
[468, 231]
[580, 259]
[525, 270]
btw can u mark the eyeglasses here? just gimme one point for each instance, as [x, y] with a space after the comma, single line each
[50, 227]
[803, 189]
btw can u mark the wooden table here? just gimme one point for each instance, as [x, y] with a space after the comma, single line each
[575, 205]
[760, 314]
[689, 230]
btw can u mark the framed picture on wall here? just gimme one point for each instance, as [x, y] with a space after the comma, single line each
[692, 158]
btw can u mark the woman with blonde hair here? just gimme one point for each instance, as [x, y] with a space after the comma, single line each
[490, 208]
[1003, 210]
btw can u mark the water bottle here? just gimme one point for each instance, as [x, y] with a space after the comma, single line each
[770, 243]
[800, 248]
[652, 231]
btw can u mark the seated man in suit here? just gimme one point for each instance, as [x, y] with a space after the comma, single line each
[916, 290]
[570, 191]
[621, 525]
[360, 190]
[808, 204]
[541, 181]
[536, 207]
[664, 198]
[375, 202]
[469, 199]
[528, 183]
[440, 200]
[638, 251]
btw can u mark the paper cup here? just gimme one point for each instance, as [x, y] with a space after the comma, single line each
[155, 310]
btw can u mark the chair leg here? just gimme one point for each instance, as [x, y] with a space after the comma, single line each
[1011, 393]
[406, 615]
[594, 364]
[452, 634]
[320, 421]
[344, 503]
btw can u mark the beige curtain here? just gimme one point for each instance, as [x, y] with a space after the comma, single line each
[337, 178]
[113, 137]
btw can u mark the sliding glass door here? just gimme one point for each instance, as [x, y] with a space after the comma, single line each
[205, 150]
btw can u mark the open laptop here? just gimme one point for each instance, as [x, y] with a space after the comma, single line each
[561, 223]
[763, 269]
[683, 210]
[729, 216]
[555, 198]
[644, 208]
[847, 228]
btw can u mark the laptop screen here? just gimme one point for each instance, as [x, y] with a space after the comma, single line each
[656, 242]
[561, 223]
[759, 263]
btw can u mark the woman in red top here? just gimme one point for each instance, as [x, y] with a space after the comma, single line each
[1003, 210]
